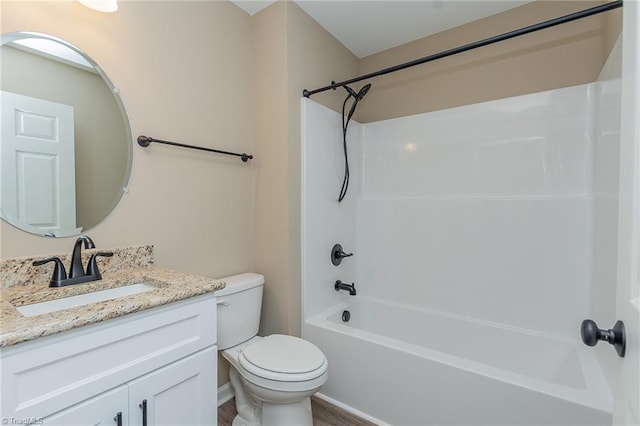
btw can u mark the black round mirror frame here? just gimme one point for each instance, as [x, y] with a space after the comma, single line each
[125, 153]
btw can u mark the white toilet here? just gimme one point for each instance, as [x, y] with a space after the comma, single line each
[273, 376]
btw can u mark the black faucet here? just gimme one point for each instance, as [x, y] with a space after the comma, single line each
[76, 269]
[351, 288]
[77, 274]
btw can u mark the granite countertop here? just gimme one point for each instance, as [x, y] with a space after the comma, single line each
[20, 287]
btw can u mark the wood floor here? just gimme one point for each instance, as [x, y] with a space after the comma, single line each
[324, 414]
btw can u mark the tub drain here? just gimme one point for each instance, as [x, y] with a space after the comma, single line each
[346, 316]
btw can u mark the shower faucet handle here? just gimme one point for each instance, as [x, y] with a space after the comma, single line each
[591, 335]
[337, 254]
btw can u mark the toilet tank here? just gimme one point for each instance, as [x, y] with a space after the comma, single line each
[239, 305]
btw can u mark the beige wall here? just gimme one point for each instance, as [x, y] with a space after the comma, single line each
[270, 133]
[561, 56]
[185, 72]
[292, 52]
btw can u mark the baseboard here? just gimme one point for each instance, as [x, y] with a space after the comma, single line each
[225, 393]
[352, 410]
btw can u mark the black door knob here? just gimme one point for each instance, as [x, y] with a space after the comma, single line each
[591, 335]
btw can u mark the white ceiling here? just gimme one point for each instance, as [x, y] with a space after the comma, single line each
[366, 27]
[252, 6]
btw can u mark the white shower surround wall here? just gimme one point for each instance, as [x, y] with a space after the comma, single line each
[482, 213]
[325, 221]
[483, 210]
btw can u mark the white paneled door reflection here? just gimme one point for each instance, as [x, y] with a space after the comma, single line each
[38, 164]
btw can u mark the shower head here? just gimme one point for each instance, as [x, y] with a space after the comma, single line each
[362, 93]
[357, 98]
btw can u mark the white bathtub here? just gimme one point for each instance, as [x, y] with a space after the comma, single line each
[405, 366]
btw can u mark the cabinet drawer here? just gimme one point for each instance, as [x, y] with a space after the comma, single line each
[41, 376]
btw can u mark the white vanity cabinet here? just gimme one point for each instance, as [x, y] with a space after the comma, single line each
[158, 366]
[169, 396]
[102, 410]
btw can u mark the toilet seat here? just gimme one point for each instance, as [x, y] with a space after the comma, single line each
[283, 358]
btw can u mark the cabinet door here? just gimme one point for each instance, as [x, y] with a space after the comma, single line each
[101, 410]
[181, 393]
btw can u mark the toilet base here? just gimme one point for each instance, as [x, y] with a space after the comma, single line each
[296, 414]
[254, 412]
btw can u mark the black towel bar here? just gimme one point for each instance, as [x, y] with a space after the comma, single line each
[145, 141]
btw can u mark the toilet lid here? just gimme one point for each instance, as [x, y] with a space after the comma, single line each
[282, 354]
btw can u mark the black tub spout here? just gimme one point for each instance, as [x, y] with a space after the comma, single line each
[351, 288]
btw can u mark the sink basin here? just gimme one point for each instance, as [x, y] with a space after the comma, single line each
[83, 299]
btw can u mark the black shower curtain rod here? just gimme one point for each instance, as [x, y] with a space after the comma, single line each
[487, 41]
[145, 141]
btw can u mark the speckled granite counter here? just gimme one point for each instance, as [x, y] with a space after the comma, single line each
[23, 284]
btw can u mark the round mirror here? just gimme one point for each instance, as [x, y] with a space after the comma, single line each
[66, 144]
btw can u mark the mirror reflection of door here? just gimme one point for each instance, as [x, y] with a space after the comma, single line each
[38, 185]
[47, 68]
